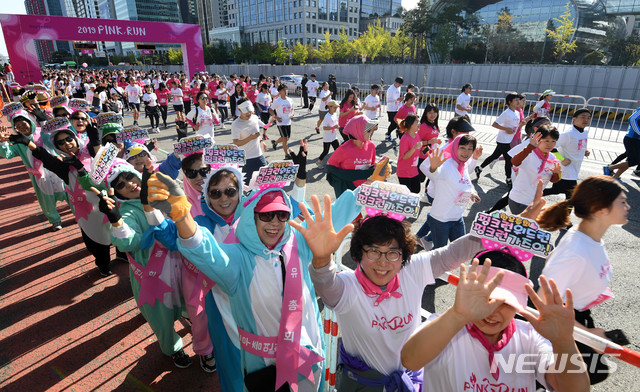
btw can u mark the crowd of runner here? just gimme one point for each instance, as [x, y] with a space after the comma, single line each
[246, 263]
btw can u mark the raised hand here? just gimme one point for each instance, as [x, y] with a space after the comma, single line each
[18, 138]
[166, 195]
[319, 233]
[4, 134]
[535, 139]
[74, 161]
[477, 153]
[380, 166]
[556, 319]
[107, 205]
[436, 158]
[556, 169]
[147, 171]
[473, 292]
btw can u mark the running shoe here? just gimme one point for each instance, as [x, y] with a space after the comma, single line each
[135, 123]
[105, 270]
[425, 243]
[425, 199]
[287, 157]
[56, 227]
[636, 173]
[606, 170]
[208, 363]
[388, 138]
[265, 137]
[317, 130]
[274, 144]
[320, 165]
[509, 183]
[478, 171]
[181, 359]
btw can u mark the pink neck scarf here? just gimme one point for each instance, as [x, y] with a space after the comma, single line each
[544, 158]
[493, 348]
[372, 289]
[451, 151]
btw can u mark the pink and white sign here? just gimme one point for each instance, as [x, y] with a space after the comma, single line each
[21, 31]
[147, 51]
[86, 51]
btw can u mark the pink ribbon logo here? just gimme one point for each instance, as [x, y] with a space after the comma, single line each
[152, 288]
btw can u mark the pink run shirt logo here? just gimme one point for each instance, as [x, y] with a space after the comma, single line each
[397, 322]
[485, 385]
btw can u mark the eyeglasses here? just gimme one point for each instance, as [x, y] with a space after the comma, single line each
[204, 97]
[203, 171]
[61, 142]
[283, 216]
[126, 177]
[142, 154]
[79, 118]
[217, 193]
[374, 254]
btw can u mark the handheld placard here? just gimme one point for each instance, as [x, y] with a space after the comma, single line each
[523, 236]
[11, 108]
[191, 144]
[61, 100]
[108, 117]
[275, 174]
[55, 124]
[224, 154]
[393, 199]
[132, 133]
[35, 87]
[102, 162]
[79, 104]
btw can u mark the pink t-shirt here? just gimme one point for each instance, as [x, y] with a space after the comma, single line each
[351, 157]
[252, 95]
[194, 93]
[404, 111]
[408, 167]
[186, 94]
[162, 96]
[426, 133]
[343, 120]
[212, 86]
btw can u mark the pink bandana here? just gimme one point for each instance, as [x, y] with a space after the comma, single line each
[372, 289]
[451, 151]
[545, 158]
[493, 348]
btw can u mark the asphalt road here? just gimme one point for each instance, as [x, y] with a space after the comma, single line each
[621, 241]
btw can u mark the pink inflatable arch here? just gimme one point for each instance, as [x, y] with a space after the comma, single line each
[21, 31]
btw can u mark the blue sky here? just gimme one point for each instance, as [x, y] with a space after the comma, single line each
[17, 7]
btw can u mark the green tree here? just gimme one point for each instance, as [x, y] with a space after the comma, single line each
[280, 53]
[325, 49]
[300, 53]
[562, 36]
[175, 55]
[342, 47]
[240, 53]
[372, 41]
[594, 58]
[399, 45]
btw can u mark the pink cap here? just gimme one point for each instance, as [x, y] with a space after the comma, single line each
[511, 289]
[272, 201]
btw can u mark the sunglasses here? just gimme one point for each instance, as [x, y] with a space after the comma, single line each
[79, 118]
[217, 193]
[108, 139]
[283, 216]
[127, 176]
[203, 171]
[61, 142]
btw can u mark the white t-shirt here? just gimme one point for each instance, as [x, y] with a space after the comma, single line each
[463, 100]
[393, 96]
[103, 97]
[330, 120]
[323, 103]
[376, 334]
[371, 102]
[204, 121]
[463, 365]
[508, 119]
[241, 129]
[312, 87]
[525, 183]
[572, 145]
[176, 96]
[274, 92]
[264, 99]
[452, 191]
[581, 264]
[222, 96]
[282, 108]
[152, 98]
[231, 85]
[89, 95]
[133, 93]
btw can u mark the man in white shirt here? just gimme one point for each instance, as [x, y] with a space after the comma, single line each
[463, 103]
[572, 145]
[372, 103]
[312, 88]
[134, 92]
[508, 123]
[245, 132]
[282, 110]
[394, 101]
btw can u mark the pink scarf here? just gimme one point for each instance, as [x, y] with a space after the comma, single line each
[451, 151]
[493, 348]
[372, 289]
[194, 198]
[544, 158]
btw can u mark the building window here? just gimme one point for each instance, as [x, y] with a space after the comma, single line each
[308, 28]
[313, 29]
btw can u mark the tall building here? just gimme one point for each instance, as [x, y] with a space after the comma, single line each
[45, 49]
[211, 14]
[389, 12]
[303, 21]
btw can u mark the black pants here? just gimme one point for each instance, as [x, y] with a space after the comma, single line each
[501, 149]
[392, 124]
[154, 116]
[224, 113]
[100, 252]
[187, 106]
[596, 365]
[345, 137]
[562, 186]
[413, 183]
[325, 148]
[264, 117]
[163, 112]
[312, 101]
[305, 99]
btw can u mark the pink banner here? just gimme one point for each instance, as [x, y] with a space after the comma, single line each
[21, 31]
[86, 51]
[147, 51]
